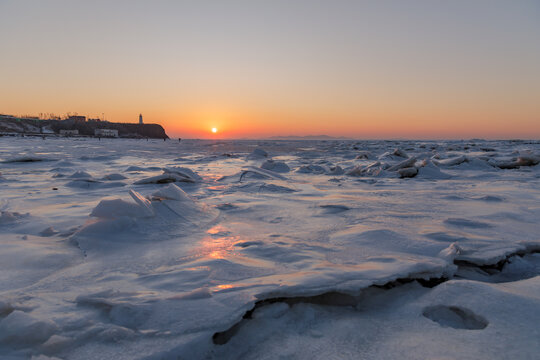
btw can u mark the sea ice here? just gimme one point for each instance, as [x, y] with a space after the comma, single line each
[269, 263]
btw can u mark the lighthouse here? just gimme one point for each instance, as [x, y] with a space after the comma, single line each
[140, 119]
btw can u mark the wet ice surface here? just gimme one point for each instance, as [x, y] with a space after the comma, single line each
[263, 249]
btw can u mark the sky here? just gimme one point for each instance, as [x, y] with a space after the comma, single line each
[253, 69]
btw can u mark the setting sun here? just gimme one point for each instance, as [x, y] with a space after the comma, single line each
[214, 130]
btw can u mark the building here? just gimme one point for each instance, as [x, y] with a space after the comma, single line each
[140, 119]
[106, 132]
[69, 132]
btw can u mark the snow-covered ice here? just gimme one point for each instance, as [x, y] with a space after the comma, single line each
[130, 249]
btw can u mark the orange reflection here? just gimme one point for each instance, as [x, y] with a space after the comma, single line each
[219, 254]
[225, 286]
[217, 229]
[217, 187]
[220, 243]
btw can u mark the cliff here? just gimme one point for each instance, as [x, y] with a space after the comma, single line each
[36, 126]
[124, 129]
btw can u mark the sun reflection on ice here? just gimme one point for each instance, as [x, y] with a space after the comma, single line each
[220, 243]
[225, 286]
[218, 229]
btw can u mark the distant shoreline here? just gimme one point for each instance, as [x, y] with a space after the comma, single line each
[78, 126]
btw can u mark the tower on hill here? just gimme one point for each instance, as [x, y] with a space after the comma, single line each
[140, 119]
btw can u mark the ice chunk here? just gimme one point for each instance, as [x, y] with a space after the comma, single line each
[171, 192]
[450, 252]
[21, 329]
[56, 343]
[135, 168]
[336, 170]
[395, 153]
[171, 175]
[263, 172]
[514, 164]
[103, 227]
[452, 161]
[257, 153]
[117, 208]
[159, 179]
[374, 169]
[50, 231]
[183, 172]
[408, 172]
[528, 160]
[404, 164]
[276, 166]
[311, 169]
[7, 217]
[428, 170]
[400, 153]
[364, 155]
[80, 175]
[143, 202]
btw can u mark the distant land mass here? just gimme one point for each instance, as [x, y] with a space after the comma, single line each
[78, 126]
[309, 137]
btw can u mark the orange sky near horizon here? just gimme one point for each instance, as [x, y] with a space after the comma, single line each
[412, 122]
[230, 124]
[419, 69]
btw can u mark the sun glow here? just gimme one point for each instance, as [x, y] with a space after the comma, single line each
[214, 130]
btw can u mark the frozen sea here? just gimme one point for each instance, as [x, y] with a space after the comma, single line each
[134, 249]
